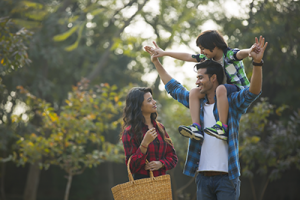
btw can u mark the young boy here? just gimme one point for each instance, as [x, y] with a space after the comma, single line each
[212, 46]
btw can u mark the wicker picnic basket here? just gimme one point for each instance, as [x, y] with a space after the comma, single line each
[157, 188]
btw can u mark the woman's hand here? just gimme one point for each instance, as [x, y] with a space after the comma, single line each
[150, 135]
[153, 165]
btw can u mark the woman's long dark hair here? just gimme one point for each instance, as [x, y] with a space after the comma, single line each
[133, 117]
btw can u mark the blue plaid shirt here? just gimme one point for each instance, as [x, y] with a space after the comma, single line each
[238, 104]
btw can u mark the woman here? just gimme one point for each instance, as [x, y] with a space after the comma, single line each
[145, 138]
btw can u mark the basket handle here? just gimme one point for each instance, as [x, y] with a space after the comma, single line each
[129, 172]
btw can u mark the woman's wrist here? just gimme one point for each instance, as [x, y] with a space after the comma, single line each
[144, 146]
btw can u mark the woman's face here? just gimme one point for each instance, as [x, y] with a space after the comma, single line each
[149, 104]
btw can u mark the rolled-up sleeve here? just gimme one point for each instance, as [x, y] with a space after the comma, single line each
[178, 92]
[241, 100]
[138, 159]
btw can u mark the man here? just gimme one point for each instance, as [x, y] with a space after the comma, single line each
[215, 162]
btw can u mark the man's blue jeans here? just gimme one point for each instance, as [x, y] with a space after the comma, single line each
[217, 187]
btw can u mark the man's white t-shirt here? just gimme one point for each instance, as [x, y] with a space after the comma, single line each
[214, 152]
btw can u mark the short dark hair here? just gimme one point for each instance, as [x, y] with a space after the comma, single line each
[212, 67]
[210, 39]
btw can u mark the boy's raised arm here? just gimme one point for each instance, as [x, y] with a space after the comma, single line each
[243, 53]
[158, 52]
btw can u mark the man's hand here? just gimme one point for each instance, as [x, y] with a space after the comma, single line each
[156, 52]
[258, 49]
[151, 51]
[163, 74]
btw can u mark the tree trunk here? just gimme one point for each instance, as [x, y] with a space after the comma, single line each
[69, 177]
[264, 189]
[173, 181]
[2, 179]
[253, 189]
[105, 56]
[110, 174]
[32, 182]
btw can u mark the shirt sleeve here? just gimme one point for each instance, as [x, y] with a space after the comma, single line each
[178, 92]
[138, 159]
[170, 160]
[241, 100]
[199, 57]
[231, 55]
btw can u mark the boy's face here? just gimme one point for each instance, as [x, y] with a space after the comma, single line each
[207, 52]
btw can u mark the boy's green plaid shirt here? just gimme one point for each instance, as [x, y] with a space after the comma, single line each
[234, 68]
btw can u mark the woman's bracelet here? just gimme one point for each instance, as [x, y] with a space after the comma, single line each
[144, 146]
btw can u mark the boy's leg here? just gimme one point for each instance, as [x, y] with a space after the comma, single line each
[193, 131]
[220, 129]
[222, 104]
[194, 102]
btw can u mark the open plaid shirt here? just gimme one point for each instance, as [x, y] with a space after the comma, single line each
[158, 150]
[238, 104]
[234, 68]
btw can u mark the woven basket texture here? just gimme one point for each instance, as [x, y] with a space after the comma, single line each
[156, 188]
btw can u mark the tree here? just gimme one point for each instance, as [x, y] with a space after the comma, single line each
[104, 29]
[13, 55]
[268, 147]
[73, 139]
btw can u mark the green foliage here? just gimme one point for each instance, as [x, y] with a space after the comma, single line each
[64, 36]
[13, 52]
[73, 138]
[269, 148]
[13, 56]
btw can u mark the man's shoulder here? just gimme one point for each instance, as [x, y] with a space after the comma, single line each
[243, 94]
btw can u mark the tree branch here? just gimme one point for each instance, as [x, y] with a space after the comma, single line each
[105, 55]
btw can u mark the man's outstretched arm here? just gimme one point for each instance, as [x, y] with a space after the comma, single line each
[174, 88]
[163, 74]
[256, 79]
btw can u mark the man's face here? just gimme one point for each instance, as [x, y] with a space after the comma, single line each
[203, 81]
[207, 52]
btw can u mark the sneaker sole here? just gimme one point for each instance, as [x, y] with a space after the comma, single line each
[207, 131]
[186, 133]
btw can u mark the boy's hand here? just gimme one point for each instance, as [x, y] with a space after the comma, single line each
[258, 49]
[156, 52]
[254, 48]
[149, 49]
[151, 52]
